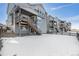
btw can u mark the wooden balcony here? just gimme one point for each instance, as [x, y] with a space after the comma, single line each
[26, 21]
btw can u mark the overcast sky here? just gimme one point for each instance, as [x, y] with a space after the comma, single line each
[64, 11]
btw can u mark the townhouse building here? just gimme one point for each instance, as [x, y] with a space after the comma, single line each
[28, 18]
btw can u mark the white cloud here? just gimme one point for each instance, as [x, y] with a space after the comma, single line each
[75, 26]
[3, 22]
[75, 21]
[59, 7]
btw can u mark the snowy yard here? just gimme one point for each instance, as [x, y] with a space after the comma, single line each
[44, 45]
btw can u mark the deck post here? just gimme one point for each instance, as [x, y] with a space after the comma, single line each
[0, 32]
[19, 22]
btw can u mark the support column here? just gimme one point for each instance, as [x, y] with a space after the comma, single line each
[0, 32]
[14, 21]
[19, 22]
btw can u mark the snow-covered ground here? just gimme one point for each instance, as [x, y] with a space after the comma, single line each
[44, 45]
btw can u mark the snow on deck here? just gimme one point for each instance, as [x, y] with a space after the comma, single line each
[44, 45]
